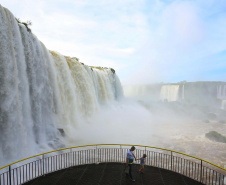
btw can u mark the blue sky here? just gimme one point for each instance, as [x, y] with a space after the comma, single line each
[145, 41]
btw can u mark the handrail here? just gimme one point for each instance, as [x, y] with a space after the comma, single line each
[198, 169]
[113, 145]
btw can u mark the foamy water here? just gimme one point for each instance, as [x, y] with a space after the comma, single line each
[189, 137]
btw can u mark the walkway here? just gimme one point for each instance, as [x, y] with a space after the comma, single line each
[111, 174]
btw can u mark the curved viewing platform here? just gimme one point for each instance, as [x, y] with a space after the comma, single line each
[105, 164]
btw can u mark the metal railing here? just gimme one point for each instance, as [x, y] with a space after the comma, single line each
[32, 167]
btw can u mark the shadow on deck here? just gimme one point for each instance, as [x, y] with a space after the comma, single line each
[111, 174]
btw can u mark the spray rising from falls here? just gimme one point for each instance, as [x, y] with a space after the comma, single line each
[41, 91]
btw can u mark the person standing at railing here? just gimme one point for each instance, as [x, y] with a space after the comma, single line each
[142, 162]
[129, 161]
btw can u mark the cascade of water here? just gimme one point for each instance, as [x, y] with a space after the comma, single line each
[169, 92]
[41, 91]
[15, 105]
[221, 92]
[223, 104]
[182, 94]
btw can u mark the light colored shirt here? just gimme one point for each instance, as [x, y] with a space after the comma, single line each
[142, 161]
[129, 155]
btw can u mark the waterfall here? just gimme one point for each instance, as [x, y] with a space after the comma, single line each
[221, 92]
[223, 104]
[169, 92]
[42, 90]
[182, 93]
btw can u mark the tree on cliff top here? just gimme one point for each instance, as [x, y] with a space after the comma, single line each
[26, 24]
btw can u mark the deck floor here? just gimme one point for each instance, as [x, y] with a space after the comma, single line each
[111, 174]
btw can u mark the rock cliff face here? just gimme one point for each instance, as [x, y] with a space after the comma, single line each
[42, 90]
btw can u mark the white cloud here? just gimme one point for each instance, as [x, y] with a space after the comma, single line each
[143, 40]
[181, 35]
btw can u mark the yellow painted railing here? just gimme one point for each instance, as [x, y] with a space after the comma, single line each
[32, 167]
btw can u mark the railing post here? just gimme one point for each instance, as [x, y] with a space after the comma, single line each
[97, 154]
[121, 153]
[70, 159]
[201, 172]
[171, 160]
[9, 174]
[43, 165]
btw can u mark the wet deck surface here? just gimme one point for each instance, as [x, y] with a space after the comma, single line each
[111, 174]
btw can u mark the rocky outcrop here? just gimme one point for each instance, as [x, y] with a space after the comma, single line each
[215, 136]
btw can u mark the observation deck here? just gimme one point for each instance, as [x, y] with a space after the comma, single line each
[104, 164]
[112, 174]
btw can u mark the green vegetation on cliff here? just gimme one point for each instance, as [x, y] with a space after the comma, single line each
[26, 24]
[112, 70]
